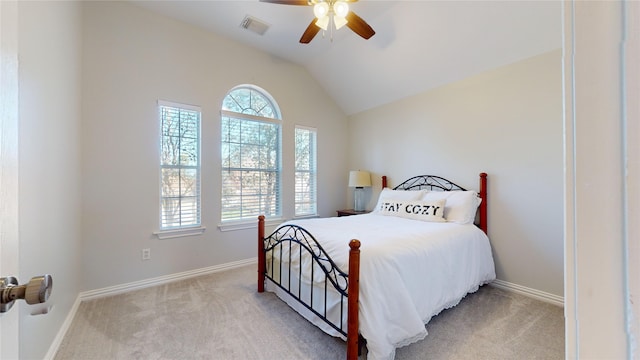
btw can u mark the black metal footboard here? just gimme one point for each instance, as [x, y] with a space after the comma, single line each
[295, 262]
[292, 259]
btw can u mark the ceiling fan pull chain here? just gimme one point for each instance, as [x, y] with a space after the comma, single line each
[331, 34]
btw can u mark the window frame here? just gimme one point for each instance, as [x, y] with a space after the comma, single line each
[312, 171]
[196, 228]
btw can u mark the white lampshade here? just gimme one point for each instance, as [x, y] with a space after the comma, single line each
[323, 23]
[339, 22]
[359, 178]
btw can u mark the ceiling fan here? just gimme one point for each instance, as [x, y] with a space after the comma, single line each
[326, 11]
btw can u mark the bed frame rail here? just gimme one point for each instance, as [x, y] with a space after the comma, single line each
[429, 182]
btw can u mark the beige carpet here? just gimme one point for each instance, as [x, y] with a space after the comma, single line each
[220, 316]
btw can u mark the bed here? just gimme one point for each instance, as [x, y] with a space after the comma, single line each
[420, 251]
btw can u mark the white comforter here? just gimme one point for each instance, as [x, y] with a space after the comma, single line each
[410, 270]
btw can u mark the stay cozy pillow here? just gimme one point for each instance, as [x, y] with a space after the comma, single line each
[398, 195]
[461, 206]
[414, 209]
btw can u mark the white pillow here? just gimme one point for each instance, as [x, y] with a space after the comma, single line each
[414, 209]
[387, 193]
[460, 207]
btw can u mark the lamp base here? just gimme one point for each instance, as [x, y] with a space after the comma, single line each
[358, 195]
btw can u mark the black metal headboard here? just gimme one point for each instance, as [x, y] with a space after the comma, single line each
[428, 182]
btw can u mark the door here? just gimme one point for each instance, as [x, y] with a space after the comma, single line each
[9, 321]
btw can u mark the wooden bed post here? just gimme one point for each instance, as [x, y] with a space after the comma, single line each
[483, 204]
[353, 291]
[261, 254]
[384, 181]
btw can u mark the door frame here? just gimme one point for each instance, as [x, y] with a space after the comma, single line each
[601, 88]
[9, 242]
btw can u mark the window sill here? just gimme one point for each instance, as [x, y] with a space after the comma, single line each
[174, 233]
[242, 225]
[306, 217]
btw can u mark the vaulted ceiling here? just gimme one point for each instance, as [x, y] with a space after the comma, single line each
[418, 45]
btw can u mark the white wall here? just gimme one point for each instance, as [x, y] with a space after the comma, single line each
[49, 163]
[506, 122]
[132, 58]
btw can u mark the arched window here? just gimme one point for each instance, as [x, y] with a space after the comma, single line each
[251, 156]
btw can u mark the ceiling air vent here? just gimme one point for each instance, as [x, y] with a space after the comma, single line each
[255, 25]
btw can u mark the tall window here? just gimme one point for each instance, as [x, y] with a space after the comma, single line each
[179, 165]
[305, 187]
[250, 155]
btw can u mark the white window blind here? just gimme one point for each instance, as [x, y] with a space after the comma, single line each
[306, 172]
[250, 148]
[179, 165]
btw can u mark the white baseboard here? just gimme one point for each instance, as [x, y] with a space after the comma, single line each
[136, 285]
[53, 349]
[529, 292]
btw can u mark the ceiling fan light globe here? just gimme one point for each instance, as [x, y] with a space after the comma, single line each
[341, 9]
[321, 10]
[323, 23]
[339, 22]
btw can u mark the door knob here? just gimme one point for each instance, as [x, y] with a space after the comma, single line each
[36, 291]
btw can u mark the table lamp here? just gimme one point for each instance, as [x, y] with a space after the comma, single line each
[359, 180]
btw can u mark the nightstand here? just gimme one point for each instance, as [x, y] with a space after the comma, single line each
[348, 212]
